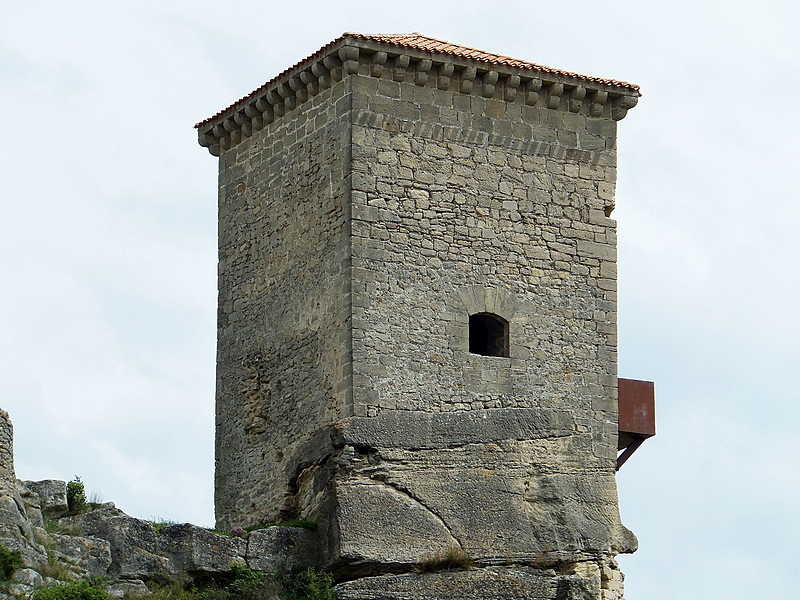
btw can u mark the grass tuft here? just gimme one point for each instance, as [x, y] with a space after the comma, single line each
[445, 560]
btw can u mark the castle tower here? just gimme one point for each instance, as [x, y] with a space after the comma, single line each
[417, 308]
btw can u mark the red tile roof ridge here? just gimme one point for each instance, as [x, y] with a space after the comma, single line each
[418, 41]
[431, 44]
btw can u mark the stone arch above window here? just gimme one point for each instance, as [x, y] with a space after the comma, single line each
[501, 312]
[484, 299]
[488, 335]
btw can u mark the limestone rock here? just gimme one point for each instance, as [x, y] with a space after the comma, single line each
[134, 543]
[89, 556]
[52, 495]
[16, 532]
[28, 577]
[379, 523]
[495, 583]
[282, 549]
[124, 589]
[30, 499]
[194, 550]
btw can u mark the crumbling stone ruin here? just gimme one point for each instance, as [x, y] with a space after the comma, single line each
[101, 542]
[417, 318]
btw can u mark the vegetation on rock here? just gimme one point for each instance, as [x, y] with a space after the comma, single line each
[445, 560]
[76, 495]
[10, 561]
[74, 590]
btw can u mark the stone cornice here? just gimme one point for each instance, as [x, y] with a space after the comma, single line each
[425, 62]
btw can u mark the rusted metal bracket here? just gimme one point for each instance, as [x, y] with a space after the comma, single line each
[637, 416]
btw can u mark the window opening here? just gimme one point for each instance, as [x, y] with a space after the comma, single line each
[488, 335]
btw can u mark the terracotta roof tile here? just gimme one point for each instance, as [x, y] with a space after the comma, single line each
[417, 41]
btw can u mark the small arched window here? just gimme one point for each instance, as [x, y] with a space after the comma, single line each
[488, 335]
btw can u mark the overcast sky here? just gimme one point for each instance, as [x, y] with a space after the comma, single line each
[108, 259]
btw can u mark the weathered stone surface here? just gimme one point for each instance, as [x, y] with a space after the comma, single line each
[32, 504]
[477, 497]
[52, 495]
[88, 556]
[28, 577]
[415, 430]
[16, 530]
[380, 524]
[124, 589]
[192, 549]
[282, 549]
[134, 543]
[495, 583]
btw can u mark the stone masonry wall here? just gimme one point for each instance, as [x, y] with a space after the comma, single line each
[283, 342]
[460, 201]
[372, 199]
[462, 205]
[7, 477]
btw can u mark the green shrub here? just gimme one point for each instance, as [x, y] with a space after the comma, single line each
[10, 563]
[247, 584]
[75, 590]
[76, 495]
[320, 585]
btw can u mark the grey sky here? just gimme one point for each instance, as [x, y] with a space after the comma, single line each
[107, 270]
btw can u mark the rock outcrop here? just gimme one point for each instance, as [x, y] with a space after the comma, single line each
[102, 541]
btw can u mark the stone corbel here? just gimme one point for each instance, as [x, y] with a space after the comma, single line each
[576, 97]
[243, 121]
[400, 65]
[311, 81]
[233, 135]
[445, 73]
[275, 99]
[512, 84]
[621, 105]
[320, 71]
[532, 91]
[598, 103]
[376, 64]
[205, 138]
[334, 65]
[267, 114]
[554, 92]
[468, 76]
[489, 83]
[299, 89]
[349, 57]
[289, 100]
[423, 67]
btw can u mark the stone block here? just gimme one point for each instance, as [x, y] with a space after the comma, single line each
[595, 250]
[195, 550]
[126, 589]
[287, 549]
[401, 429]
[133, 543]
[497, 583]
[380, 524]
[89, 557]
[52, 495]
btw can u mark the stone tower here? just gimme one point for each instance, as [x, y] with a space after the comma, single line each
[417, 311]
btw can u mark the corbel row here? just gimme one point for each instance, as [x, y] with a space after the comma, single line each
[262, 108]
